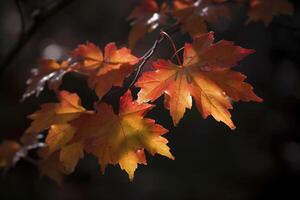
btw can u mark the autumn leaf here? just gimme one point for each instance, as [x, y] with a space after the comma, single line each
[52, 167]
[8, 150]
[146, 17]
[194, 16]
[58, 136]
[108, 70]
[66, 110]
[54, 116]
[59, 157]
[121, 138]
[58, 139]
[89, 55]
[103, 83]
[205, 75]
[265, 10]
[49, 71]
[70, 155]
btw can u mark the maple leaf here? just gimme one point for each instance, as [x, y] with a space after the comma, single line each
[8, 150]
[70, 155]
[58, 136]
[49, 71]
[52, 167]
[194, 16]
[55, 117]
[66, 110]
[121, 138]
[205, 75]
[103, 83]
[90, 56]
[108, 70]
[59, 157]
[146, 17]
[265, 10]
[58, 139]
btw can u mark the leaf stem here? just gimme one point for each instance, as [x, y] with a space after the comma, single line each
[173, 28]
[173, 45]
[176, 53]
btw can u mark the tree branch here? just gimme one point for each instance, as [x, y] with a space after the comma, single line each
[26, 35]
[143, 60]
[163, 33]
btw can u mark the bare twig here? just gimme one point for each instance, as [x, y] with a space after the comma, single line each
[176, 52]
[26, 35]
[152, 50]
[173, 46]
[143, 60]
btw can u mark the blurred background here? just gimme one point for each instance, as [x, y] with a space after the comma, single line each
[258, 160]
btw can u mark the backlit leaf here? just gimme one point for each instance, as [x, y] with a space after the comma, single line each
[204, 75]
[121, 138]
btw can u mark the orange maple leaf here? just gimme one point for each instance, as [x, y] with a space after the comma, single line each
[70, 155]
[194, 16]
[58, 136]
[66, 110]
[205, 75]
[55, 117]
[52, 167]
[58, 139]
[59, 157]
[105, 71]
[121, 138]
[265, 10]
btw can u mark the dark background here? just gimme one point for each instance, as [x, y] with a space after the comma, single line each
[258, 160]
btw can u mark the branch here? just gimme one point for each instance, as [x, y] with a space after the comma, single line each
[151, 51]
[143, 60]
[146, 57]
[26, 35]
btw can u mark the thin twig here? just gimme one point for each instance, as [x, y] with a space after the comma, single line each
[25, 36]
[173, 46]
[176, 52]
[152, 50]
[143, 61]
[145, 58]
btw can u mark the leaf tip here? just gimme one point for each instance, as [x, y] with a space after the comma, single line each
[233, 127]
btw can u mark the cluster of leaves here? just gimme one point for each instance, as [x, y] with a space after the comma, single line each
[195, 16]
[204, 74]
